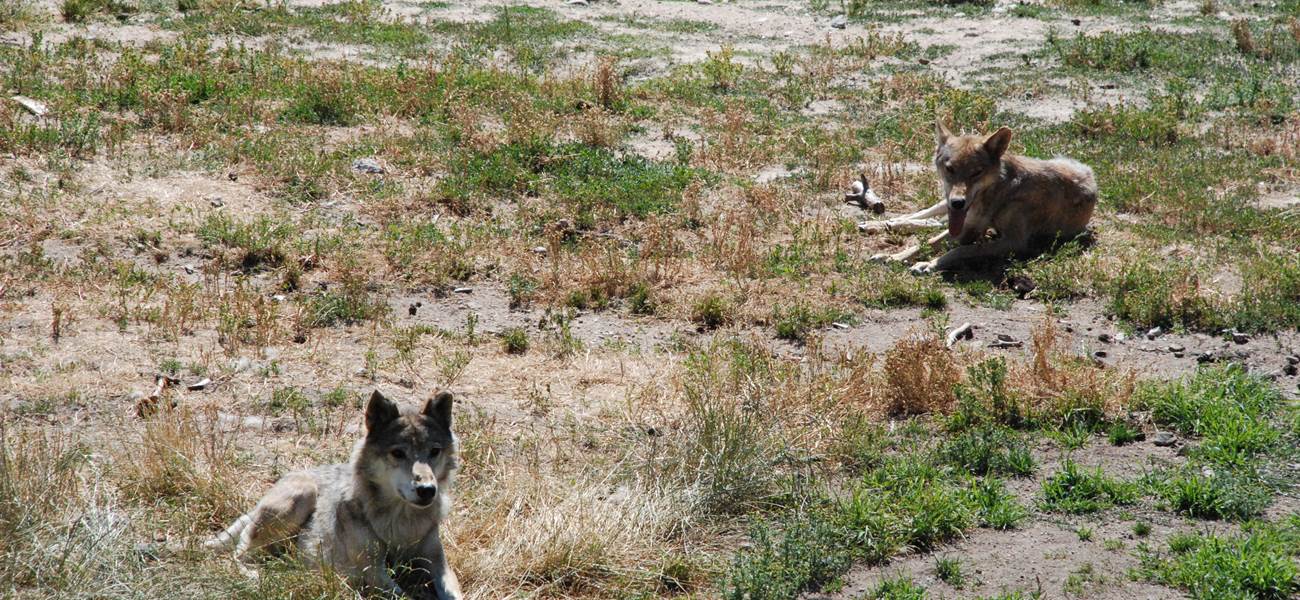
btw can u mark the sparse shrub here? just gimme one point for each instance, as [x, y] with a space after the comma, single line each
[721, 70]
[995, 506]
[514, 340]
[1224, 404]
[809, 553]
[989, 450]
[1142, 529]
[986, 398]
[1076, 490]
[641, 299]
[1210, 493]
[1120, 433]
[1258, 563]
[898, 588]
[520, 289]
[920, 376]
[348, 303]
[949, 571]
[796, 322]
[711, 311]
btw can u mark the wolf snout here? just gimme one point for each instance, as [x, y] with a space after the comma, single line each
[426, 492]
[958, 203]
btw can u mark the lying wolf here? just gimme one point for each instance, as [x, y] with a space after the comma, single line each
[377, 514]
[1027, 202]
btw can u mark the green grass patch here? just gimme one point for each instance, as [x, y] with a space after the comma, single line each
[1259, 563]
[1077, 490]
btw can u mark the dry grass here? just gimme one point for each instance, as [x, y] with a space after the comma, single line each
[919, 374]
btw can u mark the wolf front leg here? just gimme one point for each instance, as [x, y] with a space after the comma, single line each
[911, 251]
[439, 580]
[963, 254]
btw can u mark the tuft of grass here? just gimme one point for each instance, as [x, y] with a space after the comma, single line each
[995, 506]
[898, 588]
[1259, 563]
[1076, 490]
[1206, 492]
[949, 571]
[514, 340]
[711, 312]
[989, 450]
[1120, 433]
[1227, 406]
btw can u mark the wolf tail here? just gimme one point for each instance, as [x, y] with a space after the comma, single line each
[227, 539]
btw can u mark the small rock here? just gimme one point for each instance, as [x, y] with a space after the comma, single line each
[1076, 22]
[1175, 348]
[1179, 355]
[462, 290]
[1293, 360]
[1105, 338]
[1155, 332]
[1239, 337]
[840, 22]
[412, 309]
[540, 250]
[1164, 439]
[1290, 369]
[372, 166]
[189, 269]
[1002, 337]
[1207, 357]
[704, 1]
[216, 202]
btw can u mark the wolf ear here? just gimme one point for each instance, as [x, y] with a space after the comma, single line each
[997, 143]
[380, 411]
[941, 133]
[438, 408]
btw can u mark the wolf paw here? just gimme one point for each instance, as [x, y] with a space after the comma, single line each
[883, 258]
[922, 268]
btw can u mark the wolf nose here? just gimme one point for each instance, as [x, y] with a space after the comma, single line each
[958, 203]
[426, 492]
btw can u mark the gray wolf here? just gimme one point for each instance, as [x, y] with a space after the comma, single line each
[1026, 202]
[374, 519]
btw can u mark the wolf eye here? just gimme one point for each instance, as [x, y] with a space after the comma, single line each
[397, 454]
[434, 452]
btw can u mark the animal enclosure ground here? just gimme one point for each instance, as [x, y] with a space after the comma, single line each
[616, 230]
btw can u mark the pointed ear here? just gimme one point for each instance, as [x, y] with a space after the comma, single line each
[438, 408]
[380, 411]
[997, 143]
[941, 133]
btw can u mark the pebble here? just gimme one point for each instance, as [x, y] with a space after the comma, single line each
[539, 250]
[1164, 439]
[462, 290]
[1293, 360]
[840, 22]
[1290, 369]
[216, 202]
[1175, 348]
[1105, 338]
[370, 165]
[1154, 333]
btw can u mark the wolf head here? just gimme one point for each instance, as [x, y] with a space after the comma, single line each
[970, 161]
[409, 455]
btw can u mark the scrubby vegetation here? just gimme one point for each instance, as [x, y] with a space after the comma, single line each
[624, 245]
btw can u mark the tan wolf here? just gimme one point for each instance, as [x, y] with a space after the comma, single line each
[1027, 202]
[374, 519]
